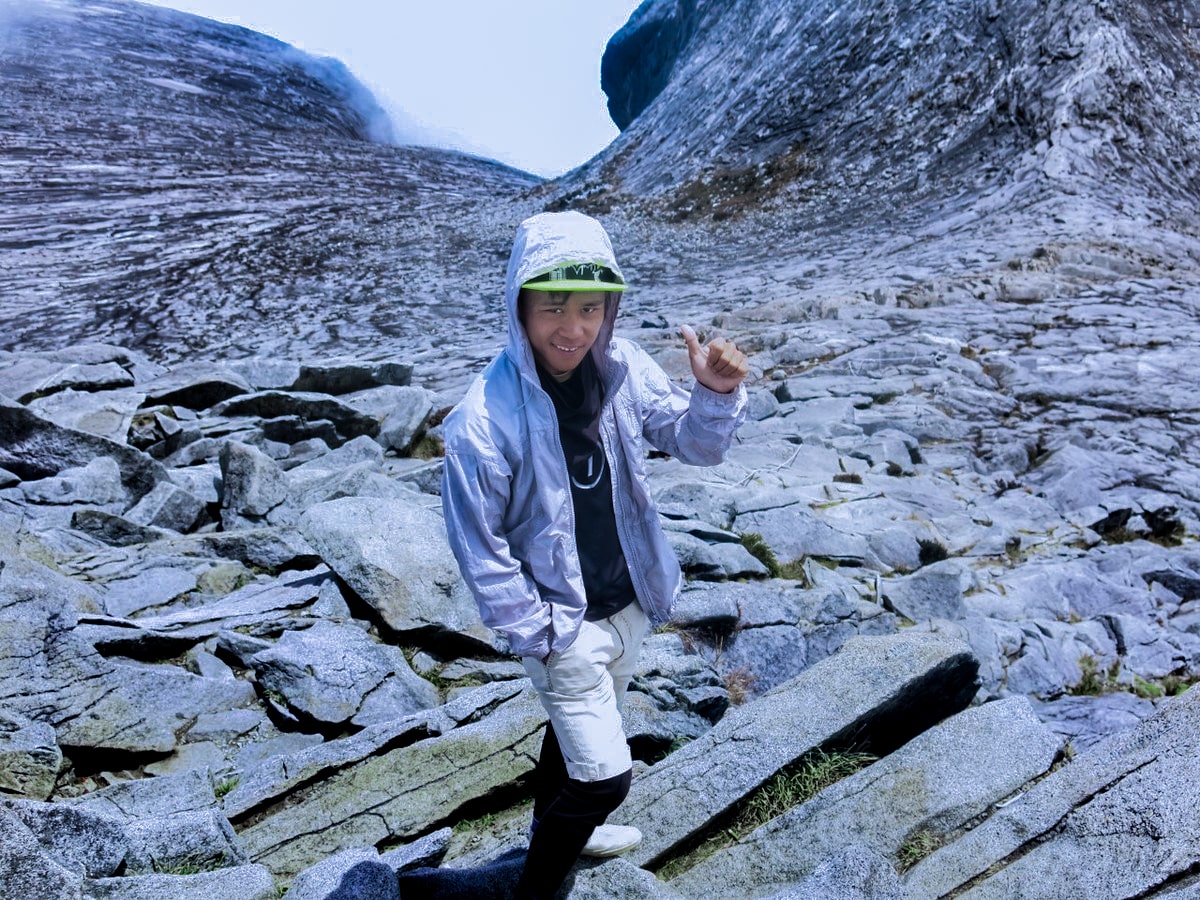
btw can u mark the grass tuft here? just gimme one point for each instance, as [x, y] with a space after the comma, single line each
[224, 786]
[918, 846]
[760, 550]
[739, 683]
[931, 551]
[786, 789]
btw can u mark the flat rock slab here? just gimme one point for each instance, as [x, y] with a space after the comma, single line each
[396, 793]
[294, 599]
[234, 883]
[308, 405]
[878, 692]
[851, 874]
[51, 673]
[325, 672]
[1119, 821]
[936, 782]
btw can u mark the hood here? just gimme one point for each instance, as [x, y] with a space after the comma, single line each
[544, 242]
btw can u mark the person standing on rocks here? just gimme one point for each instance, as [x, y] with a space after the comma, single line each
[550, 519]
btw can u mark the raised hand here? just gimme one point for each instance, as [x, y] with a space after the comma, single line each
[720, 366]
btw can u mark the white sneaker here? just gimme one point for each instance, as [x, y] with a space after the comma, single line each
[612, 840]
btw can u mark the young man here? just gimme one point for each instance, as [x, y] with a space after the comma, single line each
[549, 517]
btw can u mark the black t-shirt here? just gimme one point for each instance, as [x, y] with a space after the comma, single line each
[577, 401]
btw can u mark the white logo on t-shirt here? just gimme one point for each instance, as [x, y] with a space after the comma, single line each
[591, 465]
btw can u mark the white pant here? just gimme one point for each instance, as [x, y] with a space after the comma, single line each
[581, 686]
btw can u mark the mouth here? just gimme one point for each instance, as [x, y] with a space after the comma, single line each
[561, 349]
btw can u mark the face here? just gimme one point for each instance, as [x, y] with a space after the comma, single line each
[561, 327]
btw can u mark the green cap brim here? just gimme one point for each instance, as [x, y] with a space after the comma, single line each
[568, 277]
[563, 287]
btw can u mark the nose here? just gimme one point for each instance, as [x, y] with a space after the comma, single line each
[571, 324]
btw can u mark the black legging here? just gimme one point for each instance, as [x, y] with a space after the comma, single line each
[566, 812]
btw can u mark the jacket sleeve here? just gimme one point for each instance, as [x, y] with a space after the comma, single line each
[695, 427]
[475, 495]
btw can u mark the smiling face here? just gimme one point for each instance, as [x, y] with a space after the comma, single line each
[561, 327]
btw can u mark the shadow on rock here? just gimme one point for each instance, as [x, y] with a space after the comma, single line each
[495, 881]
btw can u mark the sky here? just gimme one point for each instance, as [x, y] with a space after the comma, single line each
[517, 81]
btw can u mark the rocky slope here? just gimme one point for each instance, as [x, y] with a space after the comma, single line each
[954, 547]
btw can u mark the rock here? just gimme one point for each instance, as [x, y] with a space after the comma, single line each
[302, 478]
[99, 483]
[714, 561]
[146, 798]
[935, 592]
[264, 785]
[117, 531]
[387, 796]
[168, 506]
[311, 406]
[27, 378]
[706, 606]
[595, 880]
[1116, 822]
[639, 59]
[297, 430]
[854, 873]
[481, 671]
[762, 405]
[889, 687]
[199, 838]
[260, 604]
[326, 672]
[935, 784]
[425, 851]
[270, 548]
[395, 555]
[351, 873]
[228, 725]
[795, 531]
[237, 883]
[25, 862]
[148, 588]
[1086, 721]
[894, 452]
[29, 757]
[78, 838]
[783, 629]
[196, 385]
[674, 696]
[690, 499]
[411, 410]
[367, 874]
[109, 415]
[52, 674]
[36, 448]
[346, 375]
[253, 485]
[192, 754]
[1150, 650]
[1047, 659]
[268, 373]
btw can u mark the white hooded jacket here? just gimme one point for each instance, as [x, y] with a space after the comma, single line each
[505, 487]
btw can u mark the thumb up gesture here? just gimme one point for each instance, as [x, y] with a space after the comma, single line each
[719, 365]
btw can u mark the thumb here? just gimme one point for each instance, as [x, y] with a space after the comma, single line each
[689, 337]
